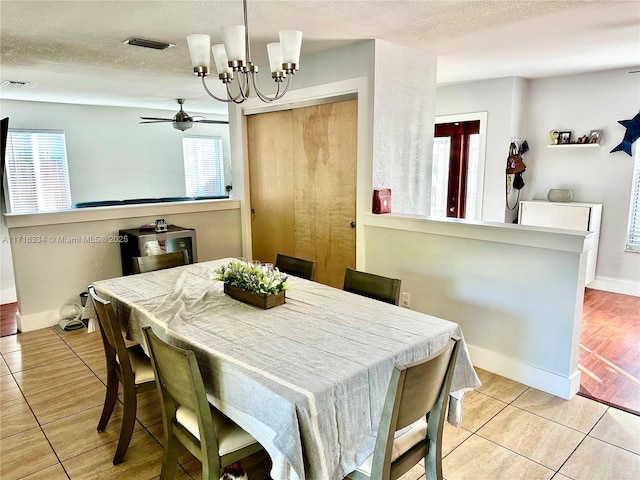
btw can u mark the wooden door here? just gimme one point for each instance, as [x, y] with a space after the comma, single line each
[302, 170]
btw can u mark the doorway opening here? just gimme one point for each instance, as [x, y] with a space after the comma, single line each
[458, 166]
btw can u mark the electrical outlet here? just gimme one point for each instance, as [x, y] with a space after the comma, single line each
[406, 299]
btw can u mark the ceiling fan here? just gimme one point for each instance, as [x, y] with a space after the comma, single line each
[182, 120]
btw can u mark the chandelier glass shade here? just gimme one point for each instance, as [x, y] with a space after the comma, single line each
[232, 60]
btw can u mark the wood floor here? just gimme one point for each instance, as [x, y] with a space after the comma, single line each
[609, 356]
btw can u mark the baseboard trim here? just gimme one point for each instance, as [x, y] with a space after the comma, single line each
[616, 286]
[36, 321]
[558, 385]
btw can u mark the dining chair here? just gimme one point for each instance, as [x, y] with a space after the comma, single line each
[297, 267]
[374, 286]
[416, 401]
[128, 366]
[149, 263]
[188, 417]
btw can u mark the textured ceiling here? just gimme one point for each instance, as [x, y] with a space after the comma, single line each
[72, 51]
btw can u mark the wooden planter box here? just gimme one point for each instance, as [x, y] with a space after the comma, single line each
[268, 301]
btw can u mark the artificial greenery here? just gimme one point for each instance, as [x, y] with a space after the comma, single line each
[252, 277]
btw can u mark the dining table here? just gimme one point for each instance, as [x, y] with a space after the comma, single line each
[308, 378]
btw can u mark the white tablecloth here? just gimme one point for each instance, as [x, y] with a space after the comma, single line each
[308, 378]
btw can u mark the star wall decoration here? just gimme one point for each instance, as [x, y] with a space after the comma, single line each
[630, 136]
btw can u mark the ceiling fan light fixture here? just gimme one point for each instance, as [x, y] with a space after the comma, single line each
[182, 126]
[143, 42]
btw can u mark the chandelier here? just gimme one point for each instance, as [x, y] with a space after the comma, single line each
[233, 61]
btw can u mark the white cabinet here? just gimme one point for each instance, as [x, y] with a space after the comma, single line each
[570, 216]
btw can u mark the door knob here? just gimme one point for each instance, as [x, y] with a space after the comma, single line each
[352, 224]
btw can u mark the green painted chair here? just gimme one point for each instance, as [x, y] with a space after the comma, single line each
[370, 285]
[297, 267]
[149, 263]
[416, 398]
[128, 366]
[188, 417]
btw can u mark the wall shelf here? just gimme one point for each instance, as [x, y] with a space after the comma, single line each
[574, 145]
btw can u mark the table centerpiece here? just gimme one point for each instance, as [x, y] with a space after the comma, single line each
[253, 283]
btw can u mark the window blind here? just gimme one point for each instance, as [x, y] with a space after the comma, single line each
[633, 230]
[203, 166]
[37, 171]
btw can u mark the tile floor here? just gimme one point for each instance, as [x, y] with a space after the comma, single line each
[52, 389]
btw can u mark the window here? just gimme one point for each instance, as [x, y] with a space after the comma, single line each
[37, 172]
[633, 230]
[203, 170]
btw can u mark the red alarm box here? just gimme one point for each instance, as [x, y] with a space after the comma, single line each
[382, 200]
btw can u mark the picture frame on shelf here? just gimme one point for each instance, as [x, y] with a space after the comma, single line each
[564, 138]
[595, 136]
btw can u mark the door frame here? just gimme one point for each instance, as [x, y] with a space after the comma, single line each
[468, 117]
[358, 87]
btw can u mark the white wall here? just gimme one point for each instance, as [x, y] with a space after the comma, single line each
[52, 272]
[503, 100]
[580, 103]
[110, 155]
[7, 283]
[516, 291]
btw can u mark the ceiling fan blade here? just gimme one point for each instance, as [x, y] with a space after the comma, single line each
[157, 119]
[218, 122]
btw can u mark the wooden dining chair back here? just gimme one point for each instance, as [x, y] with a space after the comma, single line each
[416, 398]
[374, 286]
[188, 417]
[297, 267]
[128, 366]
[149, 263]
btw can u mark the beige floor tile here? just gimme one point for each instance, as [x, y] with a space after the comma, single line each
[595, 459]
[579, 413]
[180, 474]
[59, 402]
[149, 408]
[4, 370]
[56, 472]
[478, 409]
[96, 362]
[43, 336]
[499, 387]
[452, 437]
[9, 389]
[25, 453]
[480, 459]
[82, 341]
[16, 417]
[559, 476]
[25, 359]
[619, 428]
[52, 375]
[142, 461]
[532, 436]
[77, 434]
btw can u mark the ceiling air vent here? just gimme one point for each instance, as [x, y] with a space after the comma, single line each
[143, 42]
[13, 84]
